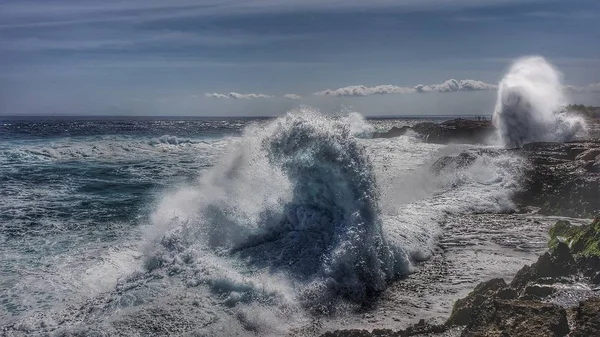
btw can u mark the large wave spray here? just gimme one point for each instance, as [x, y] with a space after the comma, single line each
[298, 198]
[530, 105]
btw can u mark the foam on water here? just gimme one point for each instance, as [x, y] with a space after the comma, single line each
[357, 123]
[107, 148]
[530, 105]
[416, 200]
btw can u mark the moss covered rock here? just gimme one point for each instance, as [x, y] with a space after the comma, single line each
[562, 231]
[583, 241]
[587, 319]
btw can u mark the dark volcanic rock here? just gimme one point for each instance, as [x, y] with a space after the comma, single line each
[587, 319]
[564, 178]
[595, 279]
[517, 318]
[532, 305]
[458, 131]
[348, 333]
[453, 131]
[462, 160]
[555, 264]
[391, 133]
[420, 328]
[461, 312]
[539, 291]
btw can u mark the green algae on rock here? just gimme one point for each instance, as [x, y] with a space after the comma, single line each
[583, 241]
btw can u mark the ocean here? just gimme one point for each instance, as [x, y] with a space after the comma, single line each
[245, 226]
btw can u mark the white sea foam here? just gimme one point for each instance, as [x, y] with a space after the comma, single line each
[530, 105]
[111, 148]
[358, 125]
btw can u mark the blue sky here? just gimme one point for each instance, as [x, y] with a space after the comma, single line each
[149, 57]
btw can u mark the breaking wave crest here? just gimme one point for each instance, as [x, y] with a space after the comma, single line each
[530, 105]
[297, 198]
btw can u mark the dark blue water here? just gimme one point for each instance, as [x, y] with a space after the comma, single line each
[72, 185]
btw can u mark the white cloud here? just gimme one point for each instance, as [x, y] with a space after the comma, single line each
[451, 85]
[361, 90]
[235, 95]
[593, 87]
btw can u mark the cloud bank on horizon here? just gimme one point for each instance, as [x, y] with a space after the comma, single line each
[235, 95]
[451, 85]
[448, 86]
[292, 96]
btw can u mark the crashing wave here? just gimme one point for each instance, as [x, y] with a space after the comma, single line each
[359, 127]
[530, 105]
[298, 197]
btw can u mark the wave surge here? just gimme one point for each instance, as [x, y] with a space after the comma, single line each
[530, 105]
[298, 197]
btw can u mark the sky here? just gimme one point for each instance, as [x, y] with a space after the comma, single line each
[265, 57]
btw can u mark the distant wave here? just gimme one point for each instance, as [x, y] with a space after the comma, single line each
[171, 140]
[99, 148]
[530, 105]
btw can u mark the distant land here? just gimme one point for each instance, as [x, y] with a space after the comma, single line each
[588, 111]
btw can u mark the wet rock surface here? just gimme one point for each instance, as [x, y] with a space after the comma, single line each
[453, 131]
[463, 308]
[517, 318]
[587, 319]
[462, 160]
[563, 178]
[551, 266]
[560, 179]
[420, 329]
[541, 304]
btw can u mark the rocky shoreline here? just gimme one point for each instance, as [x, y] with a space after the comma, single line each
[559, 295]
[561, 178]
[459, 130]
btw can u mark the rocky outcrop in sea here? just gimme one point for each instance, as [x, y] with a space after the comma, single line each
[563, 178]
[459, 130]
